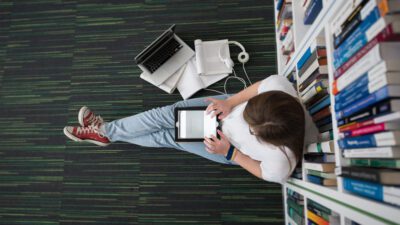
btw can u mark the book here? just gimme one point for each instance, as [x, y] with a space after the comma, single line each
[191, 82]
[298, 208]
[319, 157]
[314, 56]
[384, 111]
[343, 14]
[322, 167]
[321, 174]
[324, 121]
[316, 219]
[364, 91]
[377, 96]
[371, 190]
[315, 67]
[322, 147]
[321, 181]
[382, 176]
[370, 129]
[325, 128]
[365, 85]
[318, 44]
[316, 205]
[295, 216]
[389, 163]
[326, 136]
[368, 29]
[313, 91]
[312, 11]
[381, 152]
[208, 57]
[324, 102]
[348, 26]
[170, 84]
[390, 138]
[378, 60]
[387, 34]
[325, 112]
[313, 79]
[331, 218]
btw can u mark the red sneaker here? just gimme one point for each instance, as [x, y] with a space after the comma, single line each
[86, 118]
[90, 134]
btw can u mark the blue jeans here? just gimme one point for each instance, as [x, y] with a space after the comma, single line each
[155, 128]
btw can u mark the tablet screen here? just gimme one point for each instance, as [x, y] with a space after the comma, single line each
[196, 124]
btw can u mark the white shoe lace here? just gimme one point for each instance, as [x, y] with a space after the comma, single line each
[95, 120]
[90, 129]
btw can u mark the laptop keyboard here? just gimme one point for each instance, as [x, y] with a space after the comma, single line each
[165, 53]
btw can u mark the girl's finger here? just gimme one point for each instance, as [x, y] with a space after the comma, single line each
[222, 135]
[213, 138]
[208, 145]
[208, 150]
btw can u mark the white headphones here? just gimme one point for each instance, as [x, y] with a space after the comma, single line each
[243, 57]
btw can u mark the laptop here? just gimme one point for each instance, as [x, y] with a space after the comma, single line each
[164, 56]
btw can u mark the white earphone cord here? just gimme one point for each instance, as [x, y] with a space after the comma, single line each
[234, 73]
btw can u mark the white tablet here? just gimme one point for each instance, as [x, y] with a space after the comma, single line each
[192, 124]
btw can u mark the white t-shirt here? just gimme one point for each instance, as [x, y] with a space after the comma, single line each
[275, 166]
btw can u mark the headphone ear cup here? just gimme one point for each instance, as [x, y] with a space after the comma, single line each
[243, 57]
[229, 63]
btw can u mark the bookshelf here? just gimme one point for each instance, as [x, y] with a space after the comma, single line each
[349, 207]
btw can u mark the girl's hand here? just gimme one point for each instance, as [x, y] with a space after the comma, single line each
[221, 107]
[217, 146]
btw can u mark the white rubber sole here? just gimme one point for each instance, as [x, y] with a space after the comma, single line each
[80, 115]
[72, 137]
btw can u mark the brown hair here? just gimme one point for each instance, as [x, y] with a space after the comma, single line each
[277, 118]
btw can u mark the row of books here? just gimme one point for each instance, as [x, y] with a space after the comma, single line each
[312, 8]
[295, 206]
[321, 215]
[284, 23]
[319, 159]
[366, 89]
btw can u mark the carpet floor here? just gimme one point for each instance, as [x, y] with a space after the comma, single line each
[57, 55]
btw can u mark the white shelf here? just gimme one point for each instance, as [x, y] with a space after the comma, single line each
[348, 206]
[329, 7]
[358, 209]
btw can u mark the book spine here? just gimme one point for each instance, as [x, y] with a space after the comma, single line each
[326, 136]
[320, 105]
[316, 219]
[322, 114]
[366, 141]
[324, 121]
[356, 40]
[366, 189]
[388, 163]
[362, 92]
[318, 212]
[365, 130]
[304, 58]
[308, 63]
[318, 206]
[364, 102]
[366, 84]
[313, 68]
[319, 87]
[361, 174]
[382, 152]
[315, 179]
[312, 12]
[376, 114]
[314, 78]
[359, 69]
[326, 147]
[386, 35]
[343, 15]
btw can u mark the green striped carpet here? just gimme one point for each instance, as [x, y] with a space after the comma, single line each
[57, 55]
